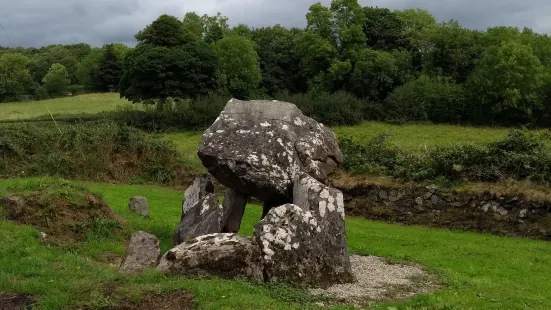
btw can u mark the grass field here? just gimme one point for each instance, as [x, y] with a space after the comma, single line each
[89, 103]
[479, 271]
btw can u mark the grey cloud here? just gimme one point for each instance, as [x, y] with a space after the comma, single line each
[41, 22]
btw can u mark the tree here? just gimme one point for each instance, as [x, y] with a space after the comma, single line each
[164, 31]
[239, 65]
[215, 27]
[192, 27]
[79, 50]
[15, 79]
[108, 73]
[383, 29]
[42, 62]
[507, 81]
[56, 80]
[87, 66]
[153, 73]
[278, 59]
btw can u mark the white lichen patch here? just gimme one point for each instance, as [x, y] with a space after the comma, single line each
[322, 207]
[205, 206]
[265, 124]
[299, 122]
[243, 131]
[220, 131]
[285, 127]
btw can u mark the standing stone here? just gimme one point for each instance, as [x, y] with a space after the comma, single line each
[139, 205]
[294, 251]
[224, 255]
[143, 252]
[203, 218]
[234, 207]
[201, 187]
[257, 147]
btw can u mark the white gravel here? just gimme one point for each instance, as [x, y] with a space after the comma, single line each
[378, 280]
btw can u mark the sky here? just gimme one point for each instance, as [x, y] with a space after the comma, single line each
[35, 23]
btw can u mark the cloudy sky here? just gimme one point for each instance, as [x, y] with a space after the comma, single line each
[41, 22]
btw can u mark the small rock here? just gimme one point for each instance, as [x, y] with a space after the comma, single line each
[485, 207]
[383, 195]
[139, 205]
[435, 199]
[419, 201]
[523, 213]
[501, 211]
[42, 235]
[143, 252]
[427, 195]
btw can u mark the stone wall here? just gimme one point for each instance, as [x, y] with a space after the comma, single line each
[512, 215]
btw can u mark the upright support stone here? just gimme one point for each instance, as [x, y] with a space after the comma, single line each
[201, 187]
[234, 207]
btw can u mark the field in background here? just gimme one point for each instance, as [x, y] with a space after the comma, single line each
[89, 103]
[478, 271]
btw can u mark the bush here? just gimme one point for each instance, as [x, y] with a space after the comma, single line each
[335, 109]
[521, 155]
[426, 99]
[96, 151]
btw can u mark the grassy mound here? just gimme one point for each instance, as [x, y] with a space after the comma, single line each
[98, 152]
[65, 213]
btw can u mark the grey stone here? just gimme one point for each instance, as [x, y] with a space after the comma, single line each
[485, 207]
[383, 195]
[428, 195]
[257, 147]
[435, 199]
[300, 251]
[139, 205]
[224, 255]
[203, 218]
[501, 211]
[142, 253]
[199, 189]
[234, 207]
[419, 201]
[523, 213]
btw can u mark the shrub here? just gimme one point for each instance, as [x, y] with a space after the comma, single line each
[426, 99]
[94, 151]
[521, 155]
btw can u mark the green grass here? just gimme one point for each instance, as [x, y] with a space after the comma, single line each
[89, 103]
[479, 271]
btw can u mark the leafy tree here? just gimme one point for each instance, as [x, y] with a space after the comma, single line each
[42, 62]
[316, 53]
[56, 80]
[507, 81]
[383, 29]
[192, 27]
[79, 50]
[108, 73]
[239, 65]
[374, 76]
[454, 51]
[159, 72]
[87, 66]
[320, 21]
[164, 31]
[215, 27]
[15, 79]
[278, 59]
[242, 30]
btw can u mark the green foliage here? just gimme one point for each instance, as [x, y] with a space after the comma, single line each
[338, 108]
[56, 80]
[521, 155]
[164, 31]
[383, 29]
[158, 72]
[239, 65]
[427, 99]
[107, 75]
[40, 63]
[87, 66]
[15, 79]
[94, 151]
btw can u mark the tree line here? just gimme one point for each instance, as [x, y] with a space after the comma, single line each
[399, 65]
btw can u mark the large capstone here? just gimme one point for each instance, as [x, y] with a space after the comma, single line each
[258, 147]
[299, 250]
[223, 255]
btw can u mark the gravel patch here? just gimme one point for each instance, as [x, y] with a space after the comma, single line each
[379, 280]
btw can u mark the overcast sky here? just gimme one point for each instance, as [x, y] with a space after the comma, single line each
[41, 22]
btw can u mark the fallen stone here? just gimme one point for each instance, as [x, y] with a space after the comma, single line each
[257, 147]
[234, 207]
[142, 253]
[223, 255]
[13, 205]
[139, 205]
[297, 250]
[523, 213]
[203, 218]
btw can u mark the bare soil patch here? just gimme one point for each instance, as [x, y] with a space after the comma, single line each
[15, 302]
[379, 280]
